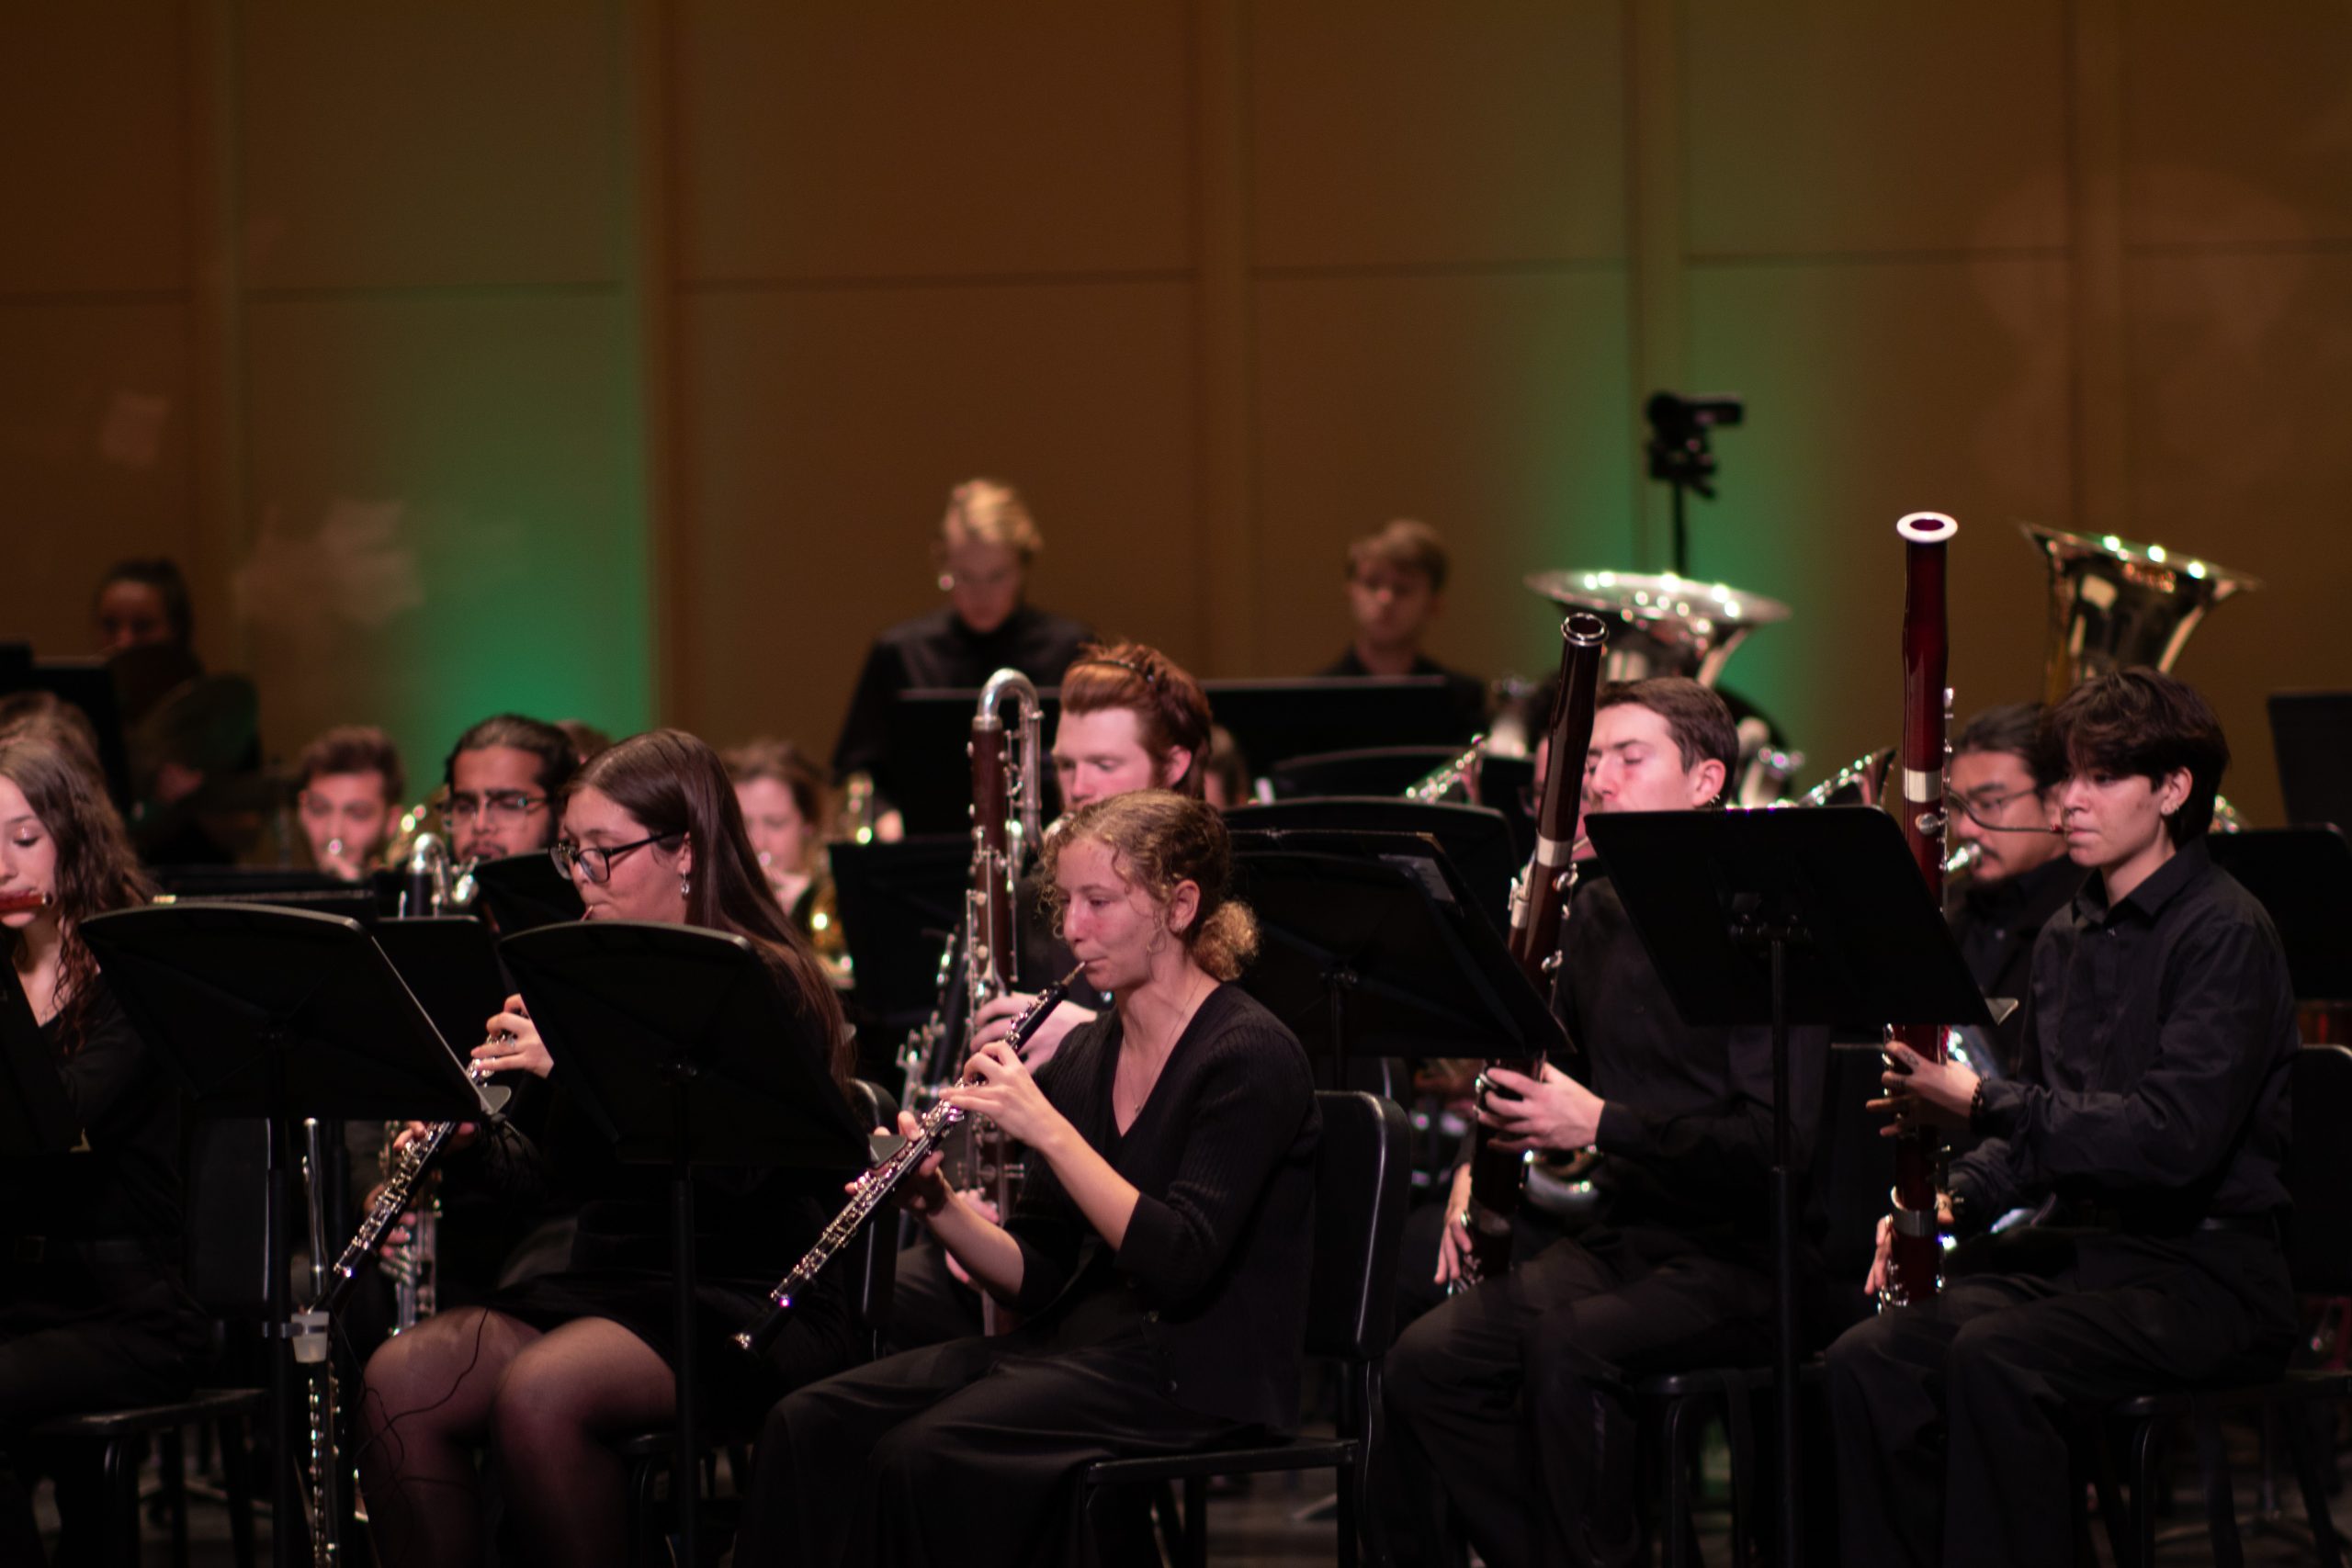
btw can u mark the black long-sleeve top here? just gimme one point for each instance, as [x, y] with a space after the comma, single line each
[939, 649]
[1217, 1249]
[120, 1185]
[1995, 924]
[1687, 1125]
[2162, 1030]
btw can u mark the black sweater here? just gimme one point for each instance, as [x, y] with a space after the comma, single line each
[1218, 1250]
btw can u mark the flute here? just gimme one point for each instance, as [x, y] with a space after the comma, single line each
[873, 1188]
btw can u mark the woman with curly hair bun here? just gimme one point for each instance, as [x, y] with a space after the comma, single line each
[1157, 1256]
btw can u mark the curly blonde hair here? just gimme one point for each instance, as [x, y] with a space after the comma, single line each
[1159, 838]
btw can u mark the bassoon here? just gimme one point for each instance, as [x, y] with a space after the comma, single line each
[1539, 906]
[1915, 1255]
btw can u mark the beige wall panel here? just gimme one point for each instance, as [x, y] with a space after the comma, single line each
[2239, 405]
[921, 139]
[1493, 408]
[1407, 134]
[430, 146]
[1833, 125]
[94, 113]
[94, 459]
[824, 429]
[1874, 391]
[2237, 122]
[446, 518]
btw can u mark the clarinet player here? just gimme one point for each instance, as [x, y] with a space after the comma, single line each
[1158, 1254]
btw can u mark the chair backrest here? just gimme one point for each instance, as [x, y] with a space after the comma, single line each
[1363, 1172]
[870, 1266]
[2319, 1171]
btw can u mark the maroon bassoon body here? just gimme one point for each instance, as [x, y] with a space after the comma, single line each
[1539, 904]
[1915, 792]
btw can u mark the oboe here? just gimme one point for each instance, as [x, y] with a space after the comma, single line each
[873, 1188]
[393, 1200]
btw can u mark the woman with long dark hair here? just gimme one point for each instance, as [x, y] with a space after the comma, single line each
[1157, 1256]
[548, 1371]
[93, 1315]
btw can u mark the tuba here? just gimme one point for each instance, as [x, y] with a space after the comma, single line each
[2115, 604]
[1664, 624]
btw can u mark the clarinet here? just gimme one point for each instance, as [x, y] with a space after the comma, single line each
[408, 1171]
[873, 1188]
[1915, 792]
[1539, 906]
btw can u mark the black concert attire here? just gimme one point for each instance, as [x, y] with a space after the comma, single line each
[1513, 1394]
[1995, 924]
[1467, 691]
[939, 649]
[93, 1311]
[1190, 1332]
[751, 1227]
[2156, 1115]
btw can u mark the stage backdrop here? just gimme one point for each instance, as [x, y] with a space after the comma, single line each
[612, 358]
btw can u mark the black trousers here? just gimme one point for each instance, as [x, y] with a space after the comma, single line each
[1951, 1417]
[928, 1305]
[1508, 1401]
[966, 1453]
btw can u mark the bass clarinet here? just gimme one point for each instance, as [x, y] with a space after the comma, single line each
[1539, 906]
[1915, 1253]
[873, 1188]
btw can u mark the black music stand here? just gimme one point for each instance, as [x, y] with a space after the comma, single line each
[450, 963]
[679, 1045]
[1369, 947]
[524, 892]
[35, 1118]
[2300, 875]
[281, 1014]
[899, 904]
[1478, 842]
[1782, 918]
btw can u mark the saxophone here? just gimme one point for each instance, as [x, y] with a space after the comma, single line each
[873, 1189]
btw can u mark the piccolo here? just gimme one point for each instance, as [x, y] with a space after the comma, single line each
[873, 1189]
[395, 1197]
[24, 903]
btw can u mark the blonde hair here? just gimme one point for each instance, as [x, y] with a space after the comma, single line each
[1405, 545]
[1159, 838]
[993, 512]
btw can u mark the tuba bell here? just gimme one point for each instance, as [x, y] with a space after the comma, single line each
[2115, 604]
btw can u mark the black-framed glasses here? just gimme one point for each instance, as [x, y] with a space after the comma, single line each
[506, 805]
[1985, 808]
[594, 861]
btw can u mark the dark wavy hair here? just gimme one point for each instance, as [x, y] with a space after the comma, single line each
[550, 745]
[1159, 838]
[676, 787]
[96, 869]
[2139, 722]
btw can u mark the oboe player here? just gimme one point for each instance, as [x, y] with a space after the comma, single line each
[2161, 1028]
[1158, 1254]
[1509, 1396]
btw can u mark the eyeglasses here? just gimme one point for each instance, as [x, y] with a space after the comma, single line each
[1984, 808]
[507, 807]
[595, 862]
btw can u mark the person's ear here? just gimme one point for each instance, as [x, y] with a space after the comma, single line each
[1184, 906]
[1707, 781]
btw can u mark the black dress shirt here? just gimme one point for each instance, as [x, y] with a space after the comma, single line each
[939, 649]
[2161, 1034]
[1687, 1123]
[1467, 691]
[1215, 1265]
[1995, 924]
